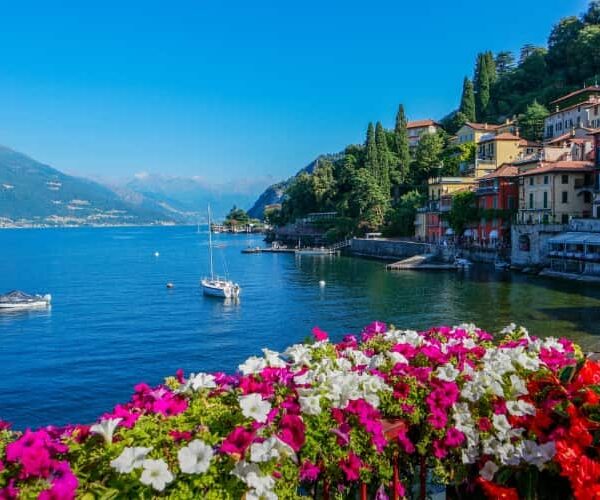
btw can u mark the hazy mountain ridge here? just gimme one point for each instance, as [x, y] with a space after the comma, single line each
[33, 193]
[275, 193]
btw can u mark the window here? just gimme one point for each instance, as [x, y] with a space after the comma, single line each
[545, 179]
[530, 200]
[564, 218]
[565, 179]
[511, 203]
[545, 199]
[587, 197]
[565, 197]
[531, 181]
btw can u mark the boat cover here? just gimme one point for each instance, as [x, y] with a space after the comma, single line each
[18, 297]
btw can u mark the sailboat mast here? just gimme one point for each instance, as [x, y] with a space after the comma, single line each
[210, 250]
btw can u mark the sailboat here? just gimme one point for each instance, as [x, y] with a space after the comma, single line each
[213, 285]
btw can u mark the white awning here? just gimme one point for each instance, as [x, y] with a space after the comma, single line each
[579, 238]
[449, 231]
[493, 234]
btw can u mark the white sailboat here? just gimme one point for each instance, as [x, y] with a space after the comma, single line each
[213, 285]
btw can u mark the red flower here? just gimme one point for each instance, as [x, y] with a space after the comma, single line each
[496, 492]
[237, 442]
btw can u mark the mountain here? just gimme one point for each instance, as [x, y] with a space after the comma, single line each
[32, 193]
[192, 194]
[275, 193]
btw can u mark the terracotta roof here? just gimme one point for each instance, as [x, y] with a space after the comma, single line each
[501, 137]
[593, 88]
[561, 138]
[483, 126]
[561, 166]
[584, 104]
[504, 170]
[525, 142]
[595, 131]
[422, 123]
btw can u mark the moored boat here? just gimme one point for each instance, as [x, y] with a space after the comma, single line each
[21, 300]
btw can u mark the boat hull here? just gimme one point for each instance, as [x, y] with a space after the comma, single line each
[222, 289]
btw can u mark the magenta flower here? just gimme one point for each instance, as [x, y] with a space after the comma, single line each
[454, 438]
[319, 334]
[405, 442]
[64, 483]
[292, 431]
[309, 471]
[237, 442]
[439, 451]
[351, 467]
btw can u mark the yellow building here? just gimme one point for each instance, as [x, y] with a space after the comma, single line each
[553, 192]
[496, 150]
[439, 186]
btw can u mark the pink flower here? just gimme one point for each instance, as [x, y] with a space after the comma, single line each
[484, 424]
[292, 431]
[351, 467]
[405, 442]
[64, 483]
[170, 405]
[237, 441]
[439, 451]
[372, 330]
[129, 416]
[319, 334]
[309, 471]
[179, 436]
[10, 492]
[437, 419]
[343, 434]
[4, 426]
[179, 376]
[454, 438]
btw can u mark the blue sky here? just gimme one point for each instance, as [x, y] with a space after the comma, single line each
[226, 90]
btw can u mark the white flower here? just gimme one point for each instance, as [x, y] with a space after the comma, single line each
[243, 468]
[310, 405]
[271, 448]
[202, 381]
[253, 364]
[488, 470]
[106, 428]
[305, 378]
[299, 353]
[129, 459]
[156, 474]
[396, 357]
[254, 495]
[272, 358]
[501, 424]
[261, 483]
[195, 457]
[254, 407]
[508, 329]
[520, 408]
[447, 372]
[517, 385]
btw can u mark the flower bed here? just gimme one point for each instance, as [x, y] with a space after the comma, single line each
[510, 417]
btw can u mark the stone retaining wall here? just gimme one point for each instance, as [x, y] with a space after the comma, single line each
[387, 249]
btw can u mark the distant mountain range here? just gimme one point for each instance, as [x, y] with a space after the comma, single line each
[35, 194]
[275, 193]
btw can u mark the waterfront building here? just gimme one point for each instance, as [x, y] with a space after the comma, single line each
[555, 192]
[417, 128]
[596, 159]
[497, 198]
[494, 150]
[473, 132]
[579, 109]
[440, 191]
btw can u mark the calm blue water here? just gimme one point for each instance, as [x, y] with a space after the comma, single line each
[113, 323]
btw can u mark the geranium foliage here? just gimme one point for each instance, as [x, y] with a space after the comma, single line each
[507, 417]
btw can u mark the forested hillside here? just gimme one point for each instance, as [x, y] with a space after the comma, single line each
[377, 185]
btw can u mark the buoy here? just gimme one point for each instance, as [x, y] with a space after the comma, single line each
[156, 254]
[170, 285]
[322, 283]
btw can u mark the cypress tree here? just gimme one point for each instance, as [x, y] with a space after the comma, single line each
[400, 173]
[482, 86]
[383, 171]
[467, 101]
[371, 150]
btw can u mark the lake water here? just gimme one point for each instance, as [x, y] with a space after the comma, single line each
[114, 323]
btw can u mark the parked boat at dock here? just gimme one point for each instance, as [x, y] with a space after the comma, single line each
[21, 300]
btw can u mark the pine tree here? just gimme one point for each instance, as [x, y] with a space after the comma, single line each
[482, 86]
[467, 101]
[400, 173]
[383, 156]
[490, 64]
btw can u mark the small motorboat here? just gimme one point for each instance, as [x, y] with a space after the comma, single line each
[501, 264]
[462, 263]
[21, 300]
[252, 250]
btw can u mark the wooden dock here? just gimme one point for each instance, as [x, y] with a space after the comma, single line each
[418, 263]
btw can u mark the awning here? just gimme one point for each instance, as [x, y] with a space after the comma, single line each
[579, 238]
[493, 234]
[449, 231]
